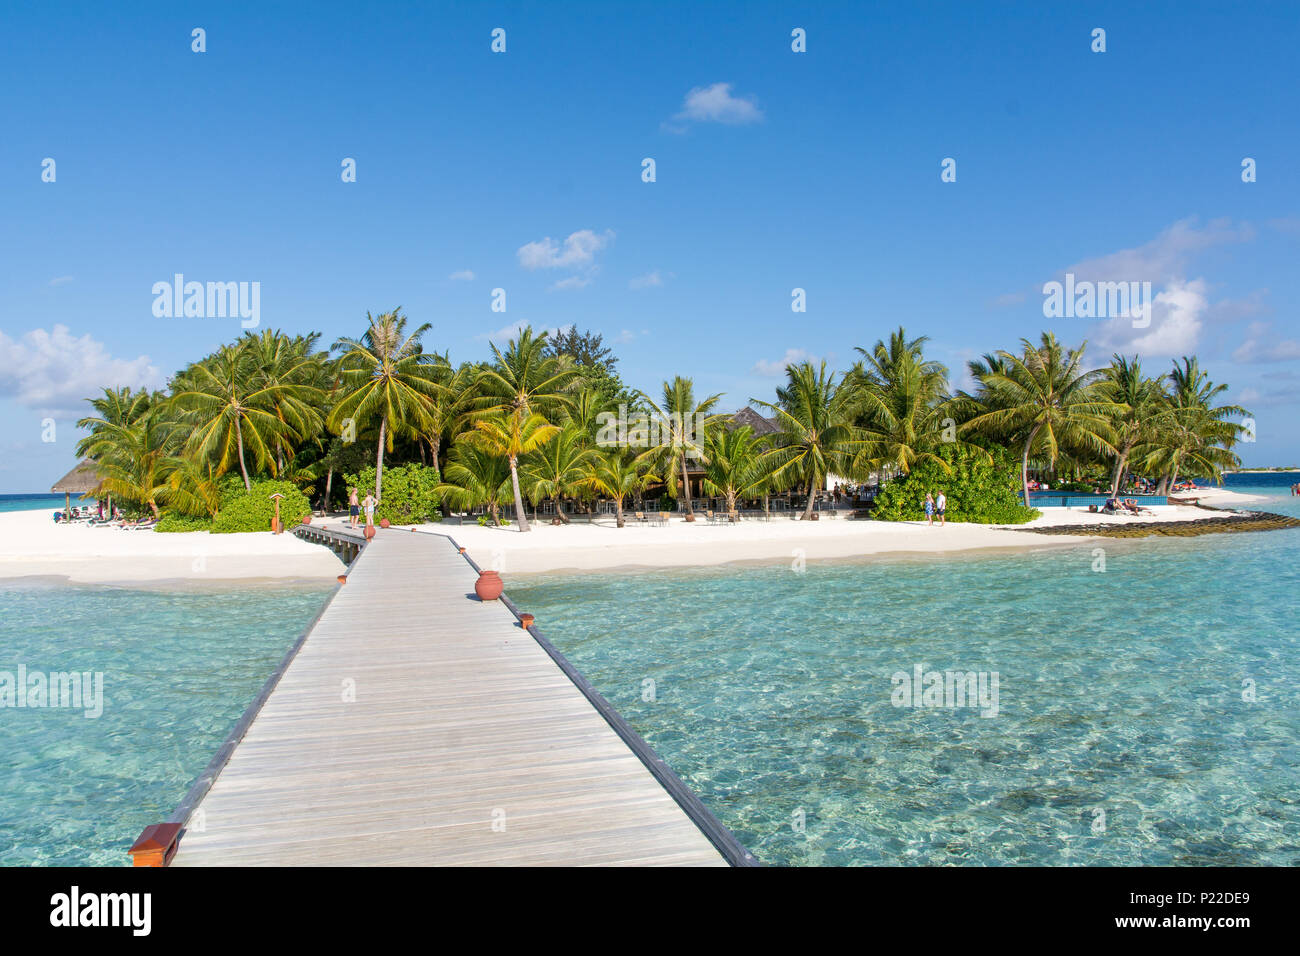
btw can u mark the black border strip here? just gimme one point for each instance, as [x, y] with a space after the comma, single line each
[722, 839]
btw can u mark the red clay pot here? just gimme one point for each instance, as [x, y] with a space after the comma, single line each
[306, 519]
[489, 586]
[383, 522]
[370, 531]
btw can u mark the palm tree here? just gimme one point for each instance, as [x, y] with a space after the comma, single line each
[557, 468]
[520, 390]
[735, 467]
[192, 487]
[817, 433]
[1138, 401]
[475, 476]
[134, 466]
[900, 401]
[617, 474]
[230, 412]
[386, 374]
[117, 408]
[1045, 396]
[1191, 434]
[680, 423]
[290, 367]
[511, 439]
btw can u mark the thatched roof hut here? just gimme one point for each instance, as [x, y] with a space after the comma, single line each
[761, 425]
[81, 481]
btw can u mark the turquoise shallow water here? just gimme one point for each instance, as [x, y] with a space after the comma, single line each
[179, 668]
[1122, 735]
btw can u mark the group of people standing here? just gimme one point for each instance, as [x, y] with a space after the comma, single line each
[355, 506]
[935, 506]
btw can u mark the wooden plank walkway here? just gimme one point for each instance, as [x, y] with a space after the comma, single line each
[465, 743]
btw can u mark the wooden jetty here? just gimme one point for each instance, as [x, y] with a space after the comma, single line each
[416, 725]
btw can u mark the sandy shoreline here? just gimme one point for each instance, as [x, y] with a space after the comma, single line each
[35, 548]
[601, 546]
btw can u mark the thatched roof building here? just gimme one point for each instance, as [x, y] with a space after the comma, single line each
[760, 425]
[82, 480]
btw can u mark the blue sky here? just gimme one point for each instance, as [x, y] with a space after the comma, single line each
[775, 170]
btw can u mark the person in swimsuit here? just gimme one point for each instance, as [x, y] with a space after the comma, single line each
[929, 509]
[354, 507]
[369, 505]
[940, 506]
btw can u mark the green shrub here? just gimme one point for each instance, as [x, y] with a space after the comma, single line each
[979, 491]
[172, 521]
[410, 495]
[252, 510]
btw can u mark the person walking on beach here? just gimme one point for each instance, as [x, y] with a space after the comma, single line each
[369, 505]
[940, 506]
[929, 509]
[354, 507]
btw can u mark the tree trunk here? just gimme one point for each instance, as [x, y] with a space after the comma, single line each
[154, 508]
[686, 484]
[765, 503]
[618, 512]
[239, 440]
[329, 480]
[1173, 478]
[731, 501]
[1119, 470]
[519, 500]
[559, 510]
[812, 498]
[1024, 463]
[379, 459]
[435, 445]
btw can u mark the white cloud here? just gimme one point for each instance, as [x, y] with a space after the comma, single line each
[1177, 315]
[647, 281]
[62, 280]
[464, 275]
[1165, 257]
[1263, 345]
[578, 250]
[54, 372]
[715, 104]
[775, 368]
[573, 282]
[627, 335]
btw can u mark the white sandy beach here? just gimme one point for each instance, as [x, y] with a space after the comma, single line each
[31, 545]
[585, 547]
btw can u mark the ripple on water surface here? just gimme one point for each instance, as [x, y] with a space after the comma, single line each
[1122, 735]
[179, 668]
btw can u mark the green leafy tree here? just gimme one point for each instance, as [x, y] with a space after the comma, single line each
[1048, 399]
[680, 425]
[231, 412]
[817, 434]
[557, 468]
[386, 376]
[618, 474]
[980, 488]
[736, 467]
[523, 391]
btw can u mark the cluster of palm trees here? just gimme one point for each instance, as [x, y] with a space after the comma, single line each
[526, 424]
